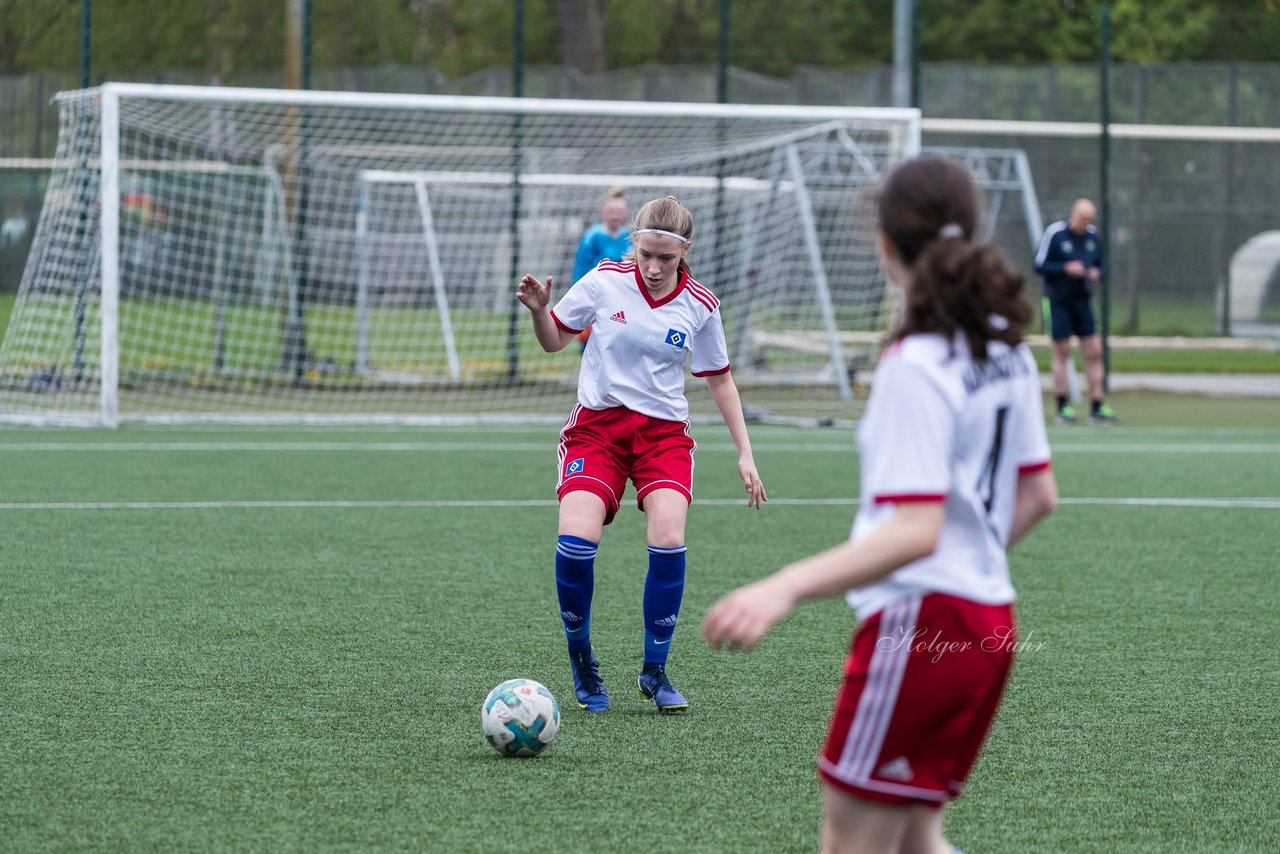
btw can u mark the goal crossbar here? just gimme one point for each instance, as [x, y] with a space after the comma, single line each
[908, 116]
[563, 179]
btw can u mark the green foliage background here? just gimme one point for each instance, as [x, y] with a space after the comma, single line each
[457, 37]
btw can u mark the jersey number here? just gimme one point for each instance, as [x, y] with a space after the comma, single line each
[987, 479]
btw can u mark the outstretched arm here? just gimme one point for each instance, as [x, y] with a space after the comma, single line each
[536, 296]
[725, 393]
[741, 619]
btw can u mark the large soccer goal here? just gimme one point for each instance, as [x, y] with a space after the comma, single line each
[217, 254]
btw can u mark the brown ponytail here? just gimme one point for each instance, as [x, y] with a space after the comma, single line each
[928, 211]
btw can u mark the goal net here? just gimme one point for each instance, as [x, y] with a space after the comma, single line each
[216, 254]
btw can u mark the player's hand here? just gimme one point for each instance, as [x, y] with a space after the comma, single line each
[535, 294]
[1074, 269]
[756, 496]
[1094, 274]
[741, 619]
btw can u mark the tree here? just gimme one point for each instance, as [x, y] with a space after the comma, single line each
[38, 36]
[582, 34]
[136, 38]
[1244, 31]
[1014, 31]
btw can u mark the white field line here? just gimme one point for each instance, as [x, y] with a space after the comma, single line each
[222, 429]
[1270, 503]
[1055, 432]
[773, 430]
[524, 447]
[276, 447]
[1170, 448]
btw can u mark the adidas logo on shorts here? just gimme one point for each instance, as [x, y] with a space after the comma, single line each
[896, 769]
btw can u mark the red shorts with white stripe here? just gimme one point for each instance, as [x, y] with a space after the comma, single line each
[600, 449]
[922, 684]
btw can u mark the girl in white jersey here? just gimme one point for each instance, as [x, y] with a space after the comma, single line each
[954, 471]
[648, 316]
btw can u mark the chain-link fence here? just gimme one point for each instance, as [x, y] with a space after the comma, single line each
[1179, 209]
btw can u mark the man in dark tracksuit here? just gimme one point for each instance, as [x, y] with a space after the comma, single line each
[1070, 260]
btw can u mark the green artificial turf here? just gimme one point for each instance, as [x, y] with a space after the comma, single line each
[279, 639]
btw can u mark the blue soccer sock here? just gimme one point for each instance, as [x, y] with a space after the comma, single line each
[663, 590]
[575, 582]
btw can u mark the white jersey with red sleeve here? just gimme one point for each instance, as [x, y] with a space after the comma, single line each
[638, 346]
[940, 426]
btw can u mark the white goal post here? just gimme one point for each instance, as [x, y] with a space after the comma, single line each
[239, 255]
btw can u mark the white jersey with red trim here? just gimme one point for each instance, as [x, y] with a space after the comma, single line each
[941, 427]
[638, 346]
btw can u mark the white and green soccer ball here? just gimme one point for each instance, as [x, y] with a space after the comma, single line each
[520, 717]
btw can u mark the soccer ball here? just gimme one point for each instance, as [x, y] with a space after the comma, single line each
[520, 717]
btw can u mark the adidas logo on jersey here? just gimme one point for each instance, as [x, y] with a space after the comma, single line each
[620, 317]
[896, 769]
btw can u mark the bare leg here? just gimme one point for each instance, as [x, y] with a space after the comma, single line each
[1061, 356]
[855, 826]
[582, 515]
[1091, 349]
[665, 513]
[924, 833]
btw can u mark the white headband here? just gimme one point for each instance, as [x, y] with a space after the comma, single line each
[679, 237]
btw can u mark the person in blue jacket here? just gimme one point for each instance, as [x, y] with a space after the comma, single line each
[1069, 259]
[606, 240]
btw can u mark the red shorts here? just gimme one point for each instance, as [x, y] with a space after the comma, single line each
[600, 449]
[922, 684]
